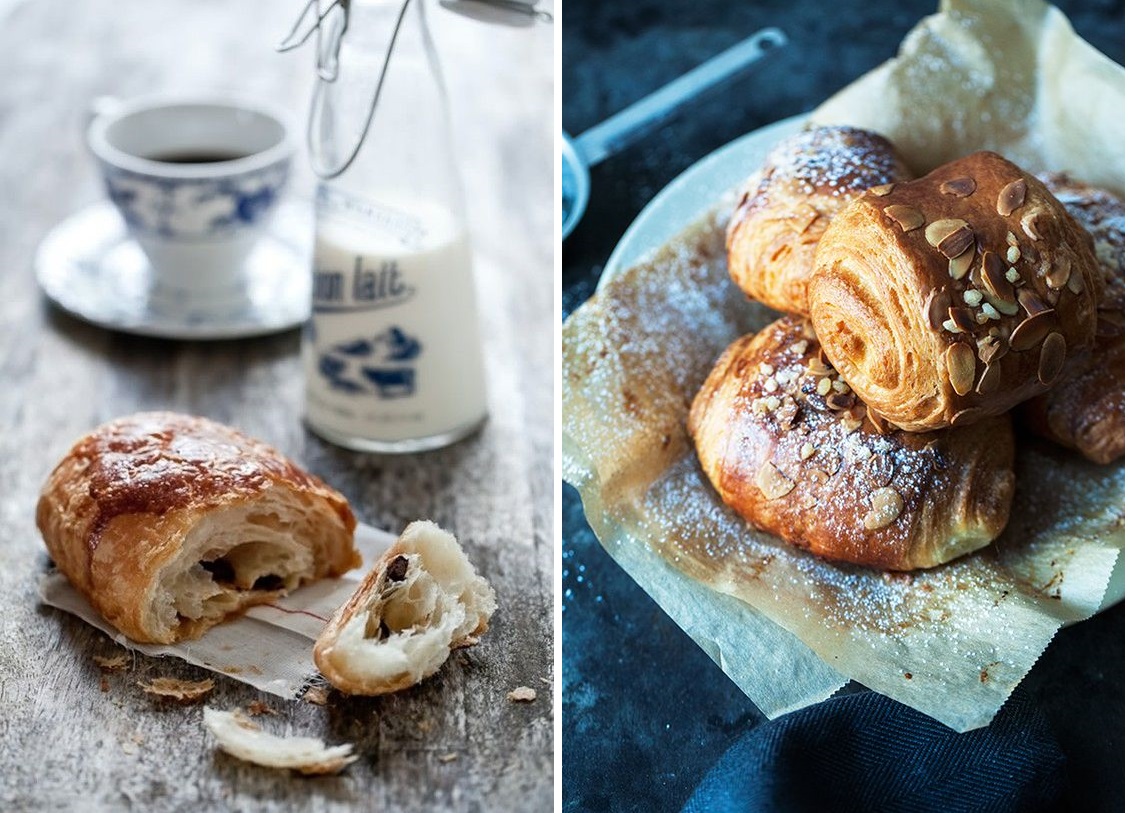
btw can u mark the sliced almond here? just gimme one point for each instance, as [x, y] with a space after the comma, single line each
[1031, 302]
[1011, 197]
[959, 266]
[940, 230]
[989, 380]
[1060, 273]
[936, 308]
[907, 217]
[886, 505]
[991, 349]
[1076, 283]
[963, 319]
[1051, 358]
[1032, 330]
[1029, 224]
[958, 187]
[960, 361]
[957, 242]
[772, 483]
[967, 416]
[994, 278]
[882, 189]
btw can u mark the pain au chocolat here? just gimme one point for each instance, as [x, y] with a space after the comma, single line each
[789, 446]
[786, 206]
[169, 523]
[954, 297]
[1085, 408]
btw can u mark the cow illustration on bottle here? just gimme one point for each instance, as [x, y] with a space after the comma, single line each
[381, 365]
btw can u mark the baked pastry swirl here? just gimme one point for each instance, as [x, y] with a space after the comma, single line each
[790, 447]
[1085, 408]
[786, 206]
[954, 297]
[169, 523]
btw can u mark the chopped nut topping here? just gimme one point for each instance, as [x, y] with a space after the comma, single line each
[1032, 330]
[1013, 254]
[972, 297]
[823, 386]
[990, 312]
[960, 361]
[839, 401]
[766, 369]
[1011, 239]
[1013, 276]
[950, 326]
[800, 347]
[840, 385]
[959, 266]
[989, 380]
[940, 230]
[981, 318]
[772, 402]
[958, 187]
[907, 217]
[1011, 197]
[772, 483]
[882, 190]
[817, 367]
[886, 505]
[771, 385]
[1051, 359]
[806, 451]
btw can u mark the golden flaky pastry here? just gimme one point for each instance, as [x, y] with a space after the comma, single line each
[786, 206]
[789, 447]
[420, 601]
[954, 297]
[1085, 408]
[169, 523]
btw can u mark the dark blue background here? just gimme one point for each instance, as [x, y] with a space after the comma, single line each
[646, 713]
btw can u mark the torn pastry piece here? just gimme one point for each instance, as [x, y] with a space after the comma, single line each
[792, 449]
[1085, 408]
[956, 296]
[168, 524]
[176, 690]
[421, 600]
[243, 738]
[786, 206]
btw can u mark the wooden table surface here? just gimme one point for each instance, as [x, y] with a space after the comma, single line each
[67, 743]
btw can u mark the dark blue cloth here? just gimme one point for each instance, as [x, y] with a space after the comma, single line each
[865, 752]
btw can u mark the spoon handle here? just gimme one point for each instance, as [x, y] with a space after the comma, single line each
[632, 122]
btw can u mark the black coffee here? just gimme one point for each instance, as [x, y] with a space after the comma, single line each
[196, 156]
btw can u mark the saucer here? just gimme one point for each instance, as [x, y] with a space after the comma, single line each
[90, 267]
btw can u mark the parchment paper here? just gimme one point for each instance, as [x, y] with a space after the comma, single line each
[954, 641]
[270, 647]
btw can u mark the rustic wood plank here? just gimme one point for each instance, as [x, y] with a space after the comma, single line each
[66, 743]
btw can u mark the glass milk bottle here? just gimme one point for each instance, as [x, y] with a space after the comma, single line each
[392, 352]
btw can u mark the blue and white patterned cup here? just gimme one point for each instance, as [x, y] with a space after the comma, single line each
[196, 180]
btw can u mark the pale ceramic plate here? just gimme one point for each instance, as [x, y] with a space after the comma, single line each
[89, 267]
[696, 191]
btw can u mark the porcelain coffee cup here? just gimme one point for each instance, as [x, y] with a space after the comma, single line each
[196, 181]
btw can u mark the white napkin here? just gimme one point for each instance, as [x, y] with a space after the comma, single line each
[270, 647]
